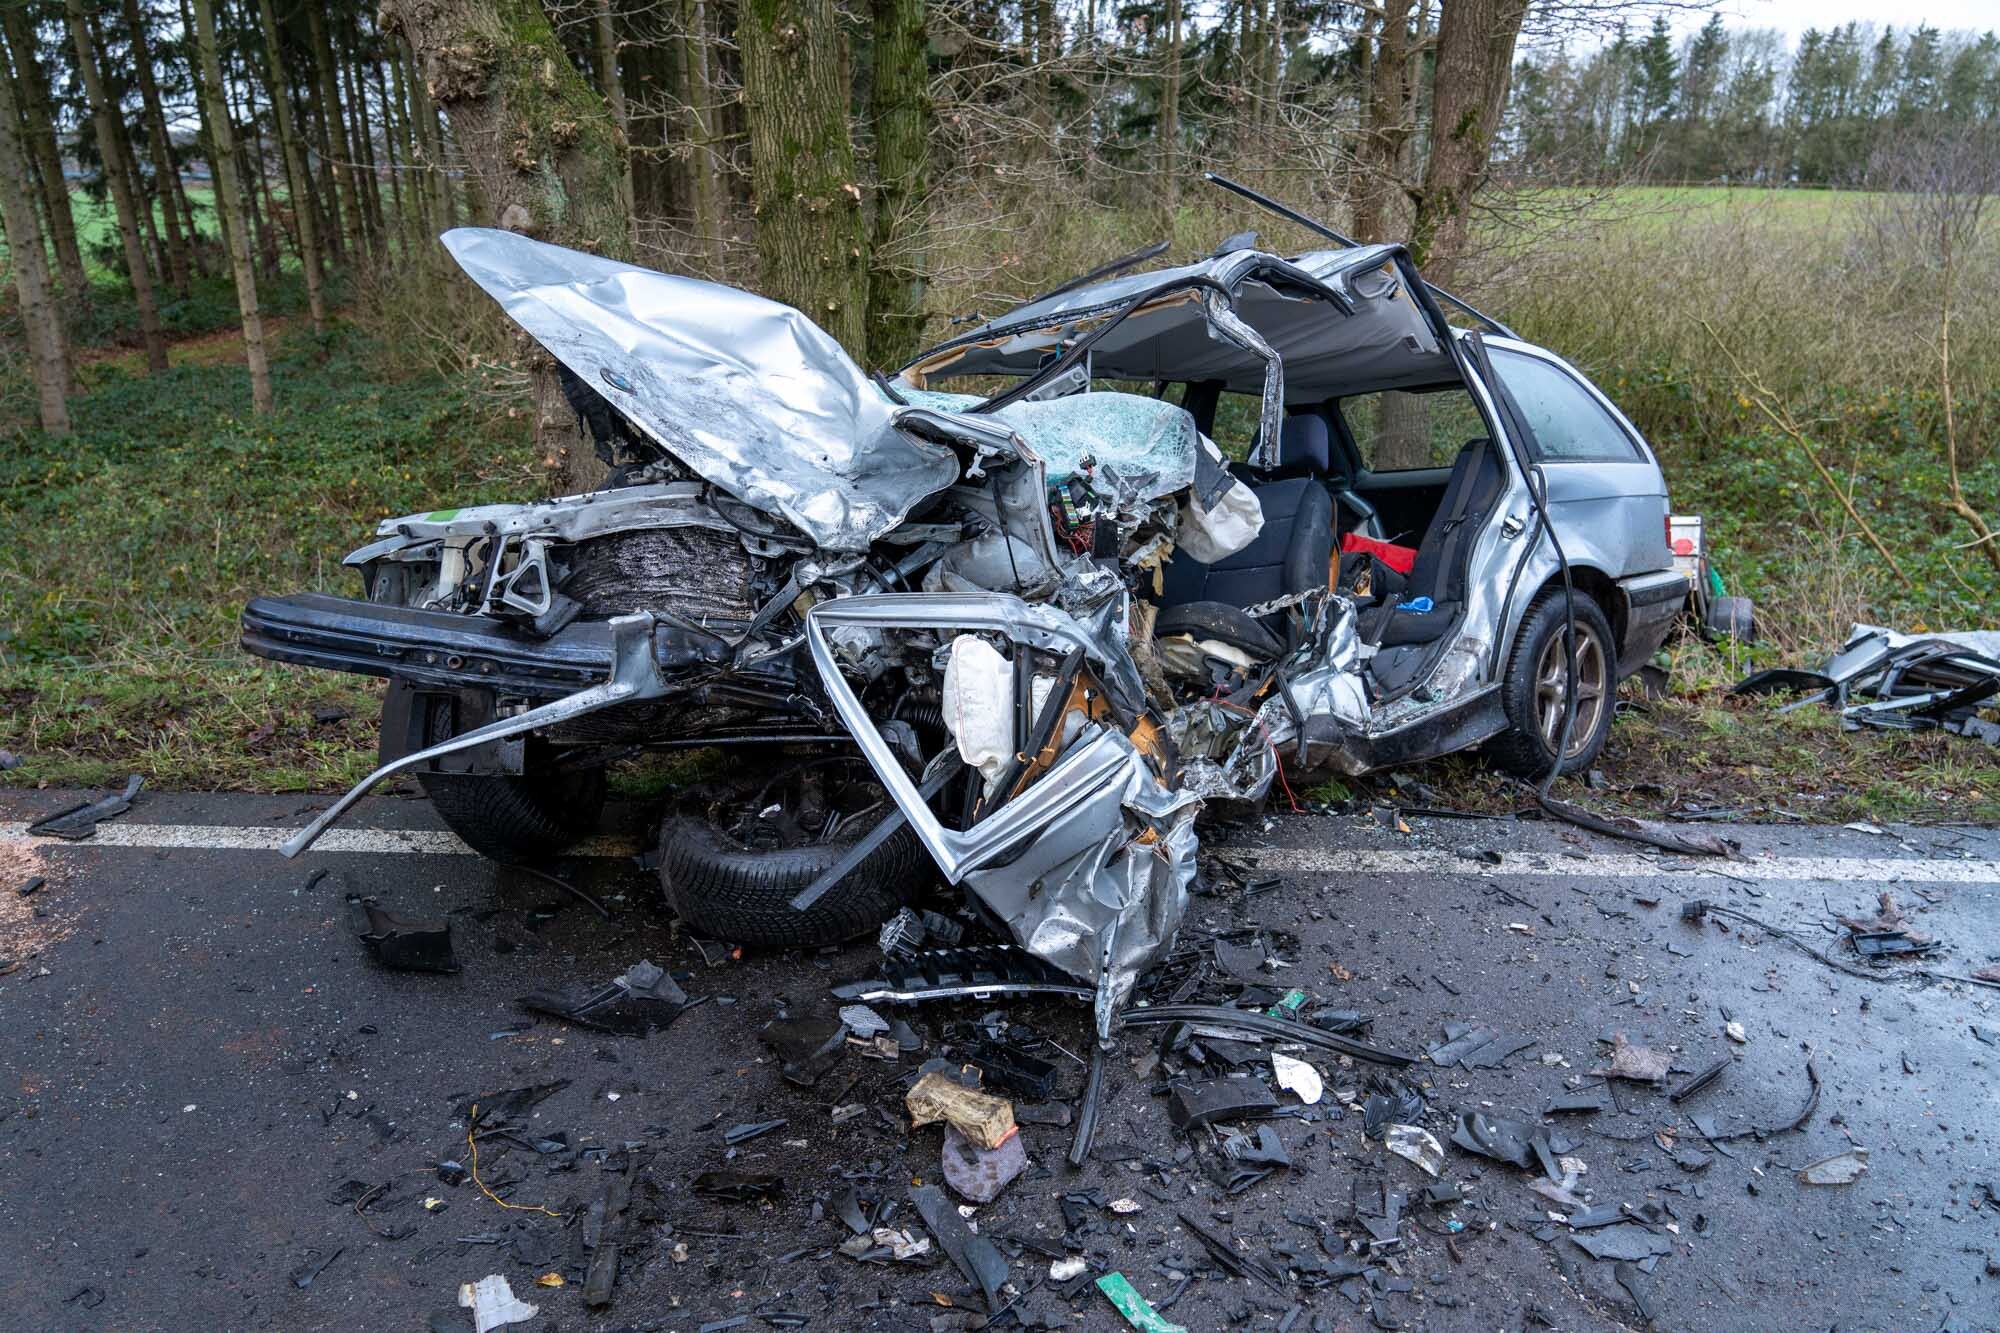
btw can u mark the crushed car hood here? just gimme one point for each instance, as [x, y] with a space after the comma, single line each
[749, 393]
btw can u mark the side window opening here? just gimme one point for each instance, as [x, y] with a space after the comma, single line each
[1396, 430]
[1564, 418]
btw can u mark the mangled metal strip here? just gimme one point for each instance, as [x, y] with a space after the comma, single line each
[1089, 867]
[635, 675]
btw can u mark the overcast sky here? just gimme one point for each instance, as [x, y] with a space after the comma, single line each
[1795, 16]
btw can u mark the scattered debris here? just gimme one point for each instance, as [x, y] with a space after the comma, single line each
[493, 1303]
[975, 1257]
[403, 944]
[316, 1262]
[1902, 682]
[1695, 1082]
[640, 1001]
[1298, 1077]
[1628, 1241]
[806, 1047]
[1127, 1301]
[1640, 1064]
[979, 1174]
[1843, 1168]
[1194, 1103]
[1415, 1145]
[1005, 1066]
[1062, 1270]
[1470, 1046]
[1513, 1141]
[986, 1120]
[862, 1021]
[1223, 1250]
[738, 1186]
[80, 821]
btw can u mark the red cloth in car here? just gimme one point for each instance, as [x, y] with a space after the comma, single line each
[1402, 559]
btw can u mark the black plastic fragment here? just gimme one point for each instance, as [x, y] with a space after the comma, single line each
[1700, 1079]
[1086, 1111]
[738, 1186]
[642, 1000]
[976, 1257]
[736, 1134]
[1575, 1103]
[1513, 1141]
[1265, 1149]
[1232, 1260]
[1630, 1242]
[806, 1047]
[80, 821]
[403, 944]
[1006, 1066]
[1192, 1104]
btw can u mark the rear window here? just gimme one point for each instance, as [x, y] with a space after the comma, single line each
[1399, 431]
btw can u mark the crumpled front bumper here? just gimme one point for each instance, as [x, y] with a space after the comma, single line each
[1089, 866]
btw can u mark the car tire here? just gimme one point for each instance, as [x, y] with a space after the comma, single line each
[1531, 689]
[514, 818]
[724, 890]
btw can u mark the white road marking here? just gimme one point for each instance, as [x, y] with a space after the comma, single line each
[257, 838]
[1284, 860]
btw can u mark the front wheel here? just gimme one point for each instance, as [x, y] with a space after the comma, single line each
[514, 818]
[730, 872]
[1536, 688]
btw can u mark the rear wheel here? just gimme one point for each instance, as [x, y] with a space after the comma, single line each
[514, 818]
[731, 872]
[1536, 688]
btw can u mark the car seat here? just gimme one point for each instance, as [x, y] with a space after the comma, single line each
[1429, 601]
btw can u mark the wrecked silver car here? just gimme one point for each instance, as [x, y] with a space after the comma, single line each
[1018, 611]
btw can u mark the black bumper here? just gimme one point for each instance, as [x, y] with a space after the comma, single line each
[438, 648]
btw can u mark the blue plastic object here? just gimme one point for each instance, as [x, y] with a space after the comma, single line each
[1417, 606]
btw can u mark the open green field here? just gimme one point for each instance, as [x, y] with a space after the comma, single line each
[133, 544]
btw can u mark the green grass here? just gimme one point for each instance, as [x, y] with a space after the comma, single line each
[134, 543]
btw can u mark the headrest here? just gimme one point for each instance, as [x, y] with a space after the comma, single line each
[1304, 445]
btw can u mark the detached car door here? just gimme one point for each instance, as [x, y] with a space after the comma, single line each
[1607, 497]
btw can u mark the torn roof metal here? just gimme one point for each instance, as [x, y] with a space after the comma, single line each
[1340, 321]
[749, 393]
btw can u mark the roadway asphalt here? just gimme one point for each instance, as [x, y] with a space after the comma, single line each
[200, 1057]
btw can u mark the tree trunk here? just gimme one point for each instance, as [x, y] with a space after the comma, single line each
[901, 107]
[612, 86]
[148, 215]
[229, 203]
[361, 131]
[161, 148]
[391, 128]
[40, 322]
[111, 144]
[335, 149]
[1170, 119]
[543, 149]
[417, 211]
[296, 176]
[39, 122]
[698, 90]
[430, 150]
[1475, 58]
[254, 189]
[810, 248]
[1387, 126]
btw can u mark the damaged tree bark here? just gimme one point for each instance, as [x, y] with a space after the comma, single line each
[1475, 60]
[810, 248]
[544, 149]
